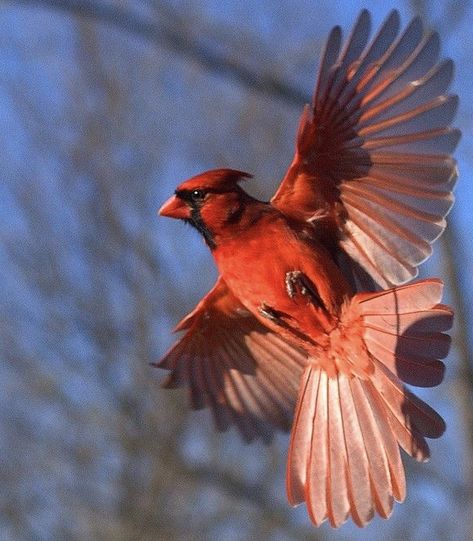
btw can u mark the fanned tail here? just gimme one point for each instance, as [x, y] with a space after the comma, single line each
[344, 457]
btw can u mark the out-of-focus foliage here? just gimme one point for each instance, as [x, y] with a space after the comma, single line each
[99, 122]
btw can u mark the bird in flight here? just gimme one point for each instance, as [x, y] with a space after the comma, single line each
[313, 325]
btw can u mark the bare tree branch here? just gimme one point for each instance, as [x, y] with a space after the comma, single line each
[452, 265]
[178, 43]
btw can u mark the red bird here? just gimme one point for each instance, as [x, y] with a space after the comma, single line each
[309, 303]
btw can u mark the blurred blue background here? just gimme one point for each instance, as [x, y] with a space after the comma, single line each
[105, 105]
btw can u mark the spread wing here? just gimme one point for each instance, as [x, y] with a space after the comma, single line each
[373, 154]
[247, 375]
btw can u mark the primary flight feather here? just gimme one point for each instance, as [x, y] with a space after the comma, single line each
[309, 324]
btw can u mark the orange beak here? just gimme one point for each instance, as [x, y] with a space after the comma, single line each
[175, 208]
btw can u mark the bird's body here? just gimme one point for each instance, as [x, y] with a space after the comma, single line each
[256, 268]
[310, 305]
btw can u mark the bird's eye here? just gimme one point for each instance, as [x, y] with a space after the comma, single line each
[197, 195]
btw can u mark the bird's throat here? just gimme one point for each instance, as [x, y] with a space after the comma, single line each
[197, 221]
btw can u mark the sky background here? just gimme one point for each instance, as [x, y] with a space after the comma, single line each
[101, 116]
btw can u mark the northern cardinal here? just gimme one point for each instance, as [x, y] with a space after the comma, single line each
[309, 304]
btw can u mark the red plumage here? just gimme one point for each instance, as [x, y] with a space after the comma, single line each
[299, 312]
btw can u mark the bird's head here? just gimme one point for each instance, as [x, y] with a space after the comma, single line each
[209, 202]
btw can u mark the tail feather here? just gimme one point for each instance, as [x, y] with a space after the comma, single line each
[426, 321]
[405, 405]
[359, 482]
[402, 300]
[344, 457]
[417, 370]
[304, 428]
[385, 466]
[337, 485]
[406, 436]
[318, 463]
[409, 344]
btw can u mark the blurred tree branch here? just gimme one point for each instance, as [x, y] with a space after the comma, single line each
[177, 42]
[452, 263]
[276, 515]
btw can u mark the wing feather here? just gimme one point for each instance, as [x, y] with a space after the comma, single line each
[373, 150]
[247, 375]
